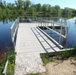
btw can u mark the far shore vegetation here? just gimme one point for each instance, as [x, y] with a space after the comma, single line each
[27, 8]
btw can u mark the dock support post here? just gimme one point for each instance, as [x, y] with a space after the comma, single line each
[53, 26]
[66, 31]
[60, 38]
[61, 30]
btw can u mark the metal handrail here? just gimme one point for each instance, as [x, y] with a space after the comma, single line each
[43, 22]
[56, 32]
[60, 46]
[45, 39]
[13, 29]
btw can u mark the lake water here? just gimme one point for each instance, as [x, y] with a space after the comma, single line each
[70, 41]
[71, 38]
[5, 38]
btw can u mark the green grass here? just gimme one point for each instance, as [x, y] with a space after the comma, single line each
[46, 58]
[6, 54]
[10, 68]
[2, 64]
[11, 65]
[68, 53]
[11, 61]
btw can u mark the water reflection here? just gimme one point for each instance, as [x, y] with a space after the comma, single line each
[5, 25]
[56, 37]
[75, 24]
[70, 40]
[5, 39]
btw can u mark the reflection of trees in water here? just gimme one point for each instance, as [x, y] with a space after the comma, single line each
[75, 24]
[6, 18]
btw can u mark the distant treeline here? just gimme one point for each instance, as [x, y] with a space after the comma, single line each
[27, 8]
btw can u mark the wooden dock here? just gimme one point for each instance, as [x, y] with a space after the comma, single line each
[29, 32]
[29, 44]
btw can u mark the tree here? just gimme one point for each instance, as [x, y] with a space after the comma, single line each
[23, 7]
[38, 7]
[26, 4]
[67, 12]
[19, 4]
[57, 11]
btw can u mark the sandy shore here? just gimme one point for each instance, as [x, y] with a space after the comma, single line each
[66, 67]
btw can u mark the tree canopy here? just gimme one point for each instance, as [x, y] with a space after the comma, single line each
[25, 7]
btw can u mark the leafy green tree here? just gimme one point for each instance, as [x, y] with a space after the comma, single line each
[67, 12]
[57, 11]
[73, 12]
[38, 7]
[26, 4]
[44, 8]
[25, 7]
[19, 4]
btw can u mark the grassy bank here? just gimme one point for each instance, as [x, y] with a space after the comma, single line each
[2, 64]
[7, 54]
[11, 65]
[51, 57]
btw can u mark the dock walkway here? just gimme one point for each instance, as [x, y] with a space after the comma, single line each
[28, 49]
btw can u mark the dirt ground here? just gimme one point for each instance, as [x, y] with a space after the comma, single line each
[66, 67]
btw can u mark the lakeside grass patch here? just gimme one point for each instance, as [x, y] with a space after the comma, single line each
[46, 59]
[11, 65]
[51, 57]
[7, 54]
[2, 64]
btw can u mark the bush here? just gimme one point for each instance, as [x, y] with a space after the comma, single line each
[65, 54]
[12, 58]
[10, 68]
[2, 61]
[2, 64]
[68, 53]
[7, 53]
[11, 65]
[46, 58]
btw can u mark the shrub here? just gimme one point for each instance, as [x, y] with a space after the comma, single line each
[10, 68]
[46, 58]
[65, 54]
[12, 58]
[11, 64]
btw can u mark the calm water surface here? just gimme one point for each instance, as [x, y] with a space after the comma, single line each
[5, 39]
[70, 41]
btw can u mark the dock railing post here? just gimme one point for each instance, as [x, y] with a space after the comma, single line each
[13, 30]
[66, 31]
[61, 30]
[52, 25]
